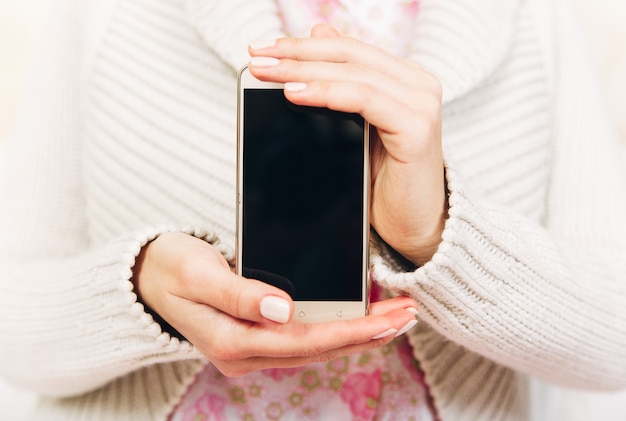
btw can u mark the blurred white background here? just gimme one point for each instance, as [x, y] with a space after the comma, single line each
[20, 26]
[602, 20]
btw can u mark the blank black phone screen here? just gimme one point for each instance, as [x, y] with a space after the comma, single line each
[302, 197]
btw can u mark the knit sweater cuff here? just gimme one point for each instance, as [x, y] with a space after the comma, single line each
[163, 334]
[151, 235]
[481, 279]
[496, 286]
[93, 329]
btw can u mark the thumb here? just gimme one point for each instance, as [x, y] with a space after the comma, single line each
[183, 266]
[247, 299]
[323, 30]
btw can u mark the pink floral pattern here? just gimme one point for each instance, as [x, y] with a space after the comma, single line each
[207, 407]
[361, 392]
[389, 24]
[381, 384]
[280, 373]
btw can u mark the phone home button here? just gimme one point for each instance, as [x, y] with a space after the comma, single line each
[302, 314]
[340, 314]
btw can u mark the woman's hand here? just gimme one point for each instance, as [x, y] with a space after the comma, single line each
[396, 96]
[243, 325]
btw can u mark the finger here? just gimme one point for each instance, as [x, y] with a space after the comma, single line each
[408, 135]
[338, 50]
[392, 76]
[308, 340]
[242, 298]
[288, 70]
[232, 365]
[237, 347]
[240, 368]
[250, 299]
[408, 118]
[385, 306]
[232, 339]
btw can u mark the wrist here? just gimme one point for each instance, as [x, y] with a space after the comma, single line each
[140, 281]
[421, 250]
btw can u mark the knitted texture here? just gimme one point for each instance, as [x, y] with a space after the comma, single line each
[129, 131]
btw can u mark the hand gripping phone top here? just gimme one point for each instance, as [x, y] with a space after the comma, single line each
[302, 201]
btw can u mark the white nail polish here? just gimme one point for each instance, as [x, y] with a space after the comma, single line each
[412, 310]
[406, 327]
[385, 333]
[275, 309]
[295, 86]
[262, 43]
[264, 61]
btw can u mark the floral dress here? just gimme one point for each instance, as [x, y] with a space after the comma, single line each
[381, 384]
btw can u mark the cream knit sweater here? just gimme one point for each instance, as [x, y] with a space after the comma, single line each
[129, 130]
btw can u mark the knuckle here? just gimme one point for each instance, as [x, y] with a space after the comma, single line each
[295, 42]
[349, 47]
[286, 70]
[365, 95]
[434, 85]
[365, 91]
[425, 126]
[233, 300]
[188, 270]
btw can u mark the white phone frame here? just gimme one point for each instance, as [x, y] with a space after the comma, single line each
[306, 311]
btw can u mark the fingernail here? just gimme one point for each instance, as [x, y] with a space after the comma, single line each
[275, 309]
[406, 327]
[295, 86]
[262, 43]
[385, 333]
[264, 61]
[412, 310]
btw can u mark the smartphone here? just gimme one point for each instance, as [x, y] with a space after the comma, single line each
[302, 201]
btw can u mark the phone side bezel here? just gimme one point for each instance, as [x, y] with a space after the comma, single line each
[306, 311]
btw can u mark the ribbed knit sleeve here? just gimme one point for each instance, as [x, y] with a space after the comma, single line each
[547, 299]
[509, 290]
[73, 324]
[69, 319]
